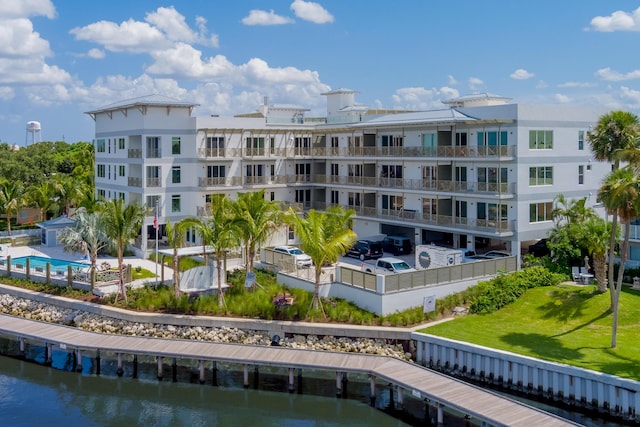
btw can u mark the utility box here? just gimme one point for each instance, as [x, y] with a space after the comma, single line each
[431, 256]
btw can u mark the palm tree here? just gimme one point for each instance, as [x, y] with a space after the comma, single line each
[257, 219]
[88, 235]
[620, 194]
[615, 131]
[324, 236]
[44, 197]
[593, 234]
[70, 191]
[218, 231]
[122, 225]
[11, 199]
[175, 238]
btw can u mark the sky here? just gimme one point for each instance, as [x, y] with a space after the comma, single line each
[61, 58]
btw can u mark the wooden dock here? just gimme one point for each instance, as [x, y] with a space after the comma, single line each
[420, 382]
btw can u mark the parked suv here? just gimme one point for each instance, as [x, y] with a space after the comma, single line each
[539, 248]
[397, 245]
[365, 249]
[301, 259]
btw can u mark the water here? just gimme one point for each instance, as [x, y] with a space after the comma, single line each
[41, 262]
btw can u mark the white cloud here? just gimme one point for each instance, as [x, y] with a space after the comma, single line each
[631, 95]
[96, 53]
[542, 85]
[577, 84]
[311, 11]
[7, 92]
[452, 80]
[419, 98]
[18, 39]
[561, 98]
[521, 74]
[262, 17]
[26, 8]
[610, 75]
[475, 83]
[617, 21]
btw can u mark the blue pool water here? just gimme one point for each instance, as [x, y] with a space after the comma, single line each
[41, 262]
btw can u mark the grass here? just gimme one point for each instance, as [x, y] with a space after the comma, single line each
[565, 324]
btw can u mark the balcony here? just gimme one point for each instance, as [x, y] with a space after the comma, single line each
[471, 151]
[153, 182]
[154, 153]
[294, 179]
[218, 152]
[220, 181]
[133, 181]
[255, 180]
[134, 153]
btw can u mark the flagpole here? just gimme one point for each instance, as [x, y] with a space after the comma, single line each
[155, 225]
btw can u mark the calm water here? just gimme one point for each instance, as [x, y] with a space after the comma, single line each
[41, 262]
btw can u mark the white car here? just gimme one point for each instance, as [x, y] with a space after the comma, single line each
[388, 265]
[302, 259]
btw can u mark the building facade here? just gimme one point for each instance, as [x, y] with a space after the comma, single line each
[481, 173]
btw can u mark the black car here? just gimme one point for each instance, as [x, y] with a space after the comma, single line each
[365, 249]
[539, 249]
[397, 245]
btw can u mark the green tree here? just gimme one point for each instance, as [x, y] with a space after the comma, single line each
[620, 194]
[175, 239]
[70, 191]
[43, 196]
[615, 132]
[256, 219]
[11, 199]
[88, 235]
[324, 236]
[122, 224]
[593, 234]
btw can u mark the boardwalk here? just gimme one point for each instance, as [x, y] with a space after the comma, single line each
[476, 402]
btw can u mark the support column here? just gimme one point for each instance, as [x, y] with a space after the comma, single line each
[214, 368]
[392, 404]
[372, 388]
[291, 380]
[440, 420]
[135, 366]
[201, 363]
[246, 376]
[400, 397]
[48, 354]
[174, 370]
[299, 380]
[119, 370]
[338, 384]
[160, 360]
[78, 360]
[256, 377]
[21, 342]
[98, 362]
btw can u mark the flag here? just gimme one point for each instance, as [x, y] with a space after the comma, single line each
[155, 222]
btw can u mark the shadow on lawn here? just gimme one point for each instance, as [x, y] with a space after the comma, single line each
[623, 367]
[566, 305]
[542, 346]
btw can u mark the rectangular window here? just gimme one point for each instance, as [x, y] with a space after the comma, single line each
[121, 170]
[541, 175]
[334, 169]
[392, 202]
[215, 146]
[335, 197]
[121, 143]
[175, 175]
[121, 196]
[580, 174]
[215, 171]
[175, 203]
[430, 143]
[153, 147]
[153, 176]
[100, 146]
[540, 212]
[354, 199]
[392, 140]
[334, 142]
[492, 138]
[102, 194]
[540, 139]
[175, 145]
[101, 171]
[153, 201]
[580, 140]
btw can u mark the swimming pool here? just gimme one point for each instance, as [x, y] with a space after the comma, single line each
[41, 262]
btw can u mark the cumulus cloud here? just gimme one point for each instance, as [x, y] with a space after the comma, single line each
[419, 98]
[475, 83]
[26, 8]
[577, 84]
[18, 39]
[6, 93]
[521, 74]
[262, 17]
[96, 53]
[617, 21]
[561, 98]
[610, 75]
[630, 95]
[452, 80]
[311, 11]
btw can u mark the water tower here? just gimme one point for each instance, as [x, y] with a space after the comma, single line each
[34, 129]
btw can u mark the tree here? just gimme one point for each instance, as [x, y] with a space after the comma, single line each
[122, 224]
[593, 234]
[218, 231]
[88, 235]
[70, 191]
[620, 194]
[43, 197]
[615, 131]
[256, 219]
[324, 236]
[11, 199]
[175, 238]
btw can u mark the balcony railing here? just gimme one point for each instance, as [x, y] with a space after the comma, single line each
[471, 151]
[134, 181]
[154, 153]
[220, 181]
[134, 153]
[153, 182]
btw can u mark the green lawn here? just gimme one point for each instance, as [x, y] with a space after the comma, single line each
[565, 324]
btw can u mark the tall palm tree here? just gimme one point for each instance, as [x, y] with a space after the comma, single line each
[593, 234]
[620, 193]
[43, 196]
[218, 231]
[122, 225]
[257, 219]
[324, 236]
[615, 131]
[70, 191]
[175, 239]
[11, 199]
[88, 235]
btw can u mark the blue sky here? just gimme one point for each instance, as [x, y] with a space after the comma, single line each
[60, 58]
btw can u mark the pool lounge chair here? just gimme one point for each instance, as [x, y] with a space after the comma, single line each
[575, 274]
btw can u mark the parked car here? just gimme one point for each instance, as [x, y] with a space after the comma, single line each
[365, 249]
[496, 254]
[539, 249]
[301, 259]
[388, 265]
[397, 245]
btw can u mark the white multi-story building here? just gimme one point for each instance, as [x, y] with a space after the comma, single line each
[479, 173]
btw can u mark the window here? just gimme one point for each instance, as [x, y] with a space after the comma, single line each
[175, 145]
[491, 211]
[102, 194]
[392, 202]
[429, 208]
[153, 176]
[334, 169]
[392, 140]
[100, 145]
[254, 170]
[355, 170]
[175, 203]
[540, 212]
[153, 201]
[121, 143]
[101, 170]
[255, 146]
[153, 147]
[429, 176]
[303, 171]
[175, 175]
[121, 170]
[354, 199]
[334, 142]
[429, 143]
[215, 171]
[540, 139]
[354, 141]
[580, 140]
[215, 146]
[492, 138]
[580, 174]
[304, 197]
[391, 171]
[541, 175]
[461, 139]
[109, 172]
[302, 142]
[335, 197]
[121, 196]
